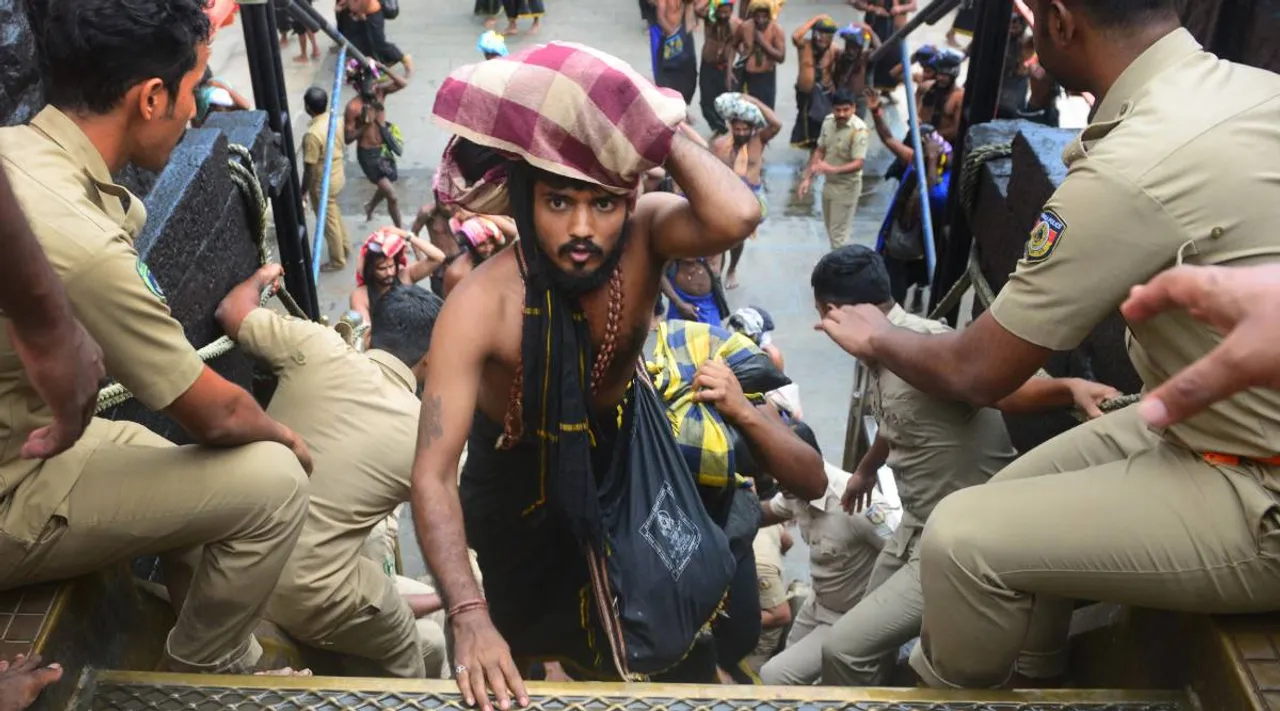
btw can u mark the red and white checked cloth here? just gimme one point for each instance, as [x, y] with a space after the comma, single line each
[566, 108]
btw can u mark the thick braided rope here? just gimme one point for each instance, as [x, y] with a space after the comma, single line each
[244, 175]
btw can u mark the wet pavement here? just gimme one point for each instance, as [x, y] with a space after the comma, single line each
[775, 269]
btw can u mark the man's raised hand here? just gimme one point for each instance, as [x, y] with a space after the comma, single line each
[1243, 304]
[853, 327]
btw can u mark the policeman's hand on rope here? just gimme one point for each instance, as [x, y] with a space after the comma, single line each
[1241, 303]
[1089, 397]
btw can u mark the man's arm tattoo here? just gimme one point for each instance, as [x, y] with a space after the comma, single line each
[432, 429]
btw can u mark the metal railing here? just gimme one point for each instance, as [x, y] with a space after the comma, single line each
[917, 147]
[322, 199]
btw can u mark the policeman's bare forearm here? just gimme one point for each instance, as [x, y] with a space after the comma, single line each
[876, 456]
[775, 617]
[769, 517]
[308, 180]
[423, 605]
[845, 168]
[979, 365]
[779, 451]
[1036, 395]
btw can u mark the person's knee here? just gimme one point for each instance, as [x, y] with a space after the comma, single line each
[434, 650]
[276, 479]
[957, 531]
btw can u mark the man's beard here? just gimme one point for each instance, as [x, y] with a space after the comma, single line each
[576, 283]
[740, 141]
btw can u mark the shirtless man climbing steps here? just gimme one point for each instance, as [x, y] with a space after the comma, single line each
[586, 249]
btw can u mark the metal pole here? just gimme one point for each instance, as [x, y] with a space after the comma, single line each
[930, 15]
[981, 100]
[922, 179]
[267, 76]
[323, 198]
[298, 9]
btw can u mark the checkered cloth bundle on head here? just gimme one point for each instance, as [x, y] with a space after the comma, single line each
[564, 108]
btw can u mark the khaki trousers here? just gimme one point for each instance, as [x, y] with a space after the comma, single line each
[1106, 512]
[138, 494]
[800, 663]
[335, 230]
[862, 646]
[366, 619]
[839, 207]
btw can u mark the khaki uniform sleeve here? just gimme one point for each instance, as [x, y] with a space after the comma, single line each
[861, 139]
[773, 591]
[782, 507]
[312, 150]
[824, 136]
[1099, 236]
[281, 341]
[144, 347]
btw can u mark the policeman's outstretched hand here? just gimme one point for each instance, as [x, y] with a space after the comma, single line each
[64, 364]
[483, 663]
[1089, 396]
[1243, 304]
[857, 491]
[853, 327]
[716, 385]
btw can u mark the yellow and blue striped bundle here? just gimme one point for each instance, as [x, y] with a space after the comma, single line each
[703, 437]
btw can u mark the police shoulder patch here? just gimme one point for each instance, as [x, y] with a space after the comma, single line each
[1045, 236]
[149, 280]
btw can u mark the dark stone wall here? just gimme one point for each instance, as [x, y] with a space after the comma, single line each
[1011, 195]
[21, 92]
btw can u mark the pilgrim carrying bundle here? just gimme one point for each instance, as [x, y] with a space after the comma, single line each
[659, 565]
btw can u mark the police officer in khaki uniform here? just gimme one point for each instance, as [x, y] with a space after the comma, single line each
[123, 491]
[359, 414]
[1185, 517]
[313, 141]
[934, 447]
[841, 150]
[842, 553]
[775, 608]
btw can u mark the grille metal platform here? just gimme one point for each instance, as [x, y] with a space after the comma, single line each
[127, 691]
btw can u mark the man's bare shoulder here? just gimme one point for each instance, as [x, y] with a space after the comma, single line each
[491, 291]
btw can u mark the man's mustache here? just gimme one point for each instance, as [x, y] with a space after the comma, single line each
[581, 243]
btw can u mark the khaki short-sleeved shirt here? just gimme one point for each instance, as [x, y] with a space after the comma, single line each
[358, 415]
[842, 548]
[841, 145]
[767, 547]
[313, 149]
[936, 446]
[1178, 166]
[86, 225]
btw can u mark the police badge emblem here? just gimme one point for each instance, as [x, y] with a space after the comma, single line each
[1045, 236]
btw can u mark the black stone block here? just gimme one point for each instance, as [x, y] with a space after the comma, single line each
[991, 219]
[1038, 171]
[198, 244]
[250, 129]
[21, 90]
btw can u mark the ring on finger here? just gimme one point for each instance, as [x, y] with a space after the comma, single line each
[460, 670]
